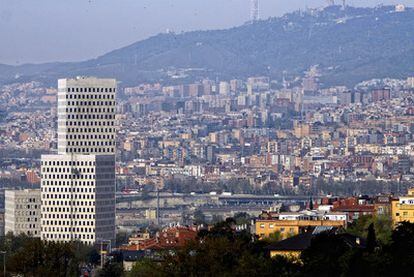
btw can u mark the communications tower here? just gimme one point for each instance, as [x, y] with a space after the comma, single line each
[254, 10]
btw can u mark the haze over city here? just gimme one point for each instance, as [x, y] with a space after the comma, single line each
[49, 30]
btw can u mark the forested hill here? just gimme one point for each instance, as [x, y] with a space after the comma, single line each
[349, 46]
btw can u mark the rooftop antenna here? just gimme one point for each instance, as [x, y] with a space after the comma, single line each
[254, 10]
[331, 2]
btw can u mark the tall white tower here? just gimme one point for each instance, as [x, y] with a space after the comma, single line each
[86, 116]
[78, 184]
[254, 10]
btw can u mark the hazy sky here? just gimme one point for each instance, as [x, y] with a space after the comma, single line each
[71, 30]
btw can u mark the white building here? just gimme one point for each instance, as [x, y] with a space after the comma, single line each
[86, 116]
[78, 184]
[224, 88]
[314, 215]
[410, 82]
[22, 212]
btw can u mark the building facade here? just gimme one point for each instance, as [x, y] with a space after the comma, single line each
[290, 224]
[86, 116]
[78, 184]
[402, 208]
[22, 212]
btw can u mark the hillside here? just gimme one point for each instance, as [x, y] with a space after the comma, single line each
[349, 46]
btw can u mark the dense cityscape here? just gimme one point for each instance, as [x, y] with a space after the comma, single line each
[283, 176]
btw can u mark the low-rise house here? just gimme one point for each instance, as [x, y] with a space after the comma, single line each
[290, 224]
[168, 238]
[402, 208]
[293, 247]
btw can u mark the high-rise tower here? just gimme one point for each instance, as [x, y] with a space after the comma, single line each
[254, 10]
[78, 184]
[86, 116]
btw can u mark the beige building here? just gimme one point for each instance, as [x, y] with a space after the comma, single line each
[293, 223]
[22, 212]
[402, 208]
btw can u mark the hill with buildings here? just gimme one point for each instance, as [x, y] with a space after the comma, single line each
[348, 46]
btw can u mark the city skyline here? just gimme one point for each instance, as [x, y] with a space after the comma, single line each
[81, 29]
[278, 147]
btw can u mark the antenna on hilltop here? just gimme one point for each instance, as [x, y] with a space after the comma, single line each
[254, 10]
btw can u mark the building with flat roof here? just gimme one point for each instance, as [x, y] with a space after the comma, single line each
[402, 208]
[288, 224]
[78, 184]
[22, 212]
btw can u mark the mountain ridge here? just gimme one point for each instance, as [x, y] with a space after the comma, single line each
[349, 46]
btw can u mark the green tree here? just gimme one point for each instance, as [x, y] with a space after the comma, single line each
[402, 248]
[216, 218]
[274, 237]
[371, 238]
[199, 217]
[30, 256]
[92, 256]
[323, 256]
[145, 268]
[242, 218]
[122, 237]
[111, 269]
[382, 226]
[40, 258]
[221, 251]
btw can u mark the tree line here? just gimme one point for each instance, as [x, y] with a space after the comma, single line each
[29, 256]
[223, 251]
[319, 187]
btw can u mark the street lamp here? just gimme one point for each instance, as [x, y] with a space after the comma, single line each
[4, 262]
[104, 253]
